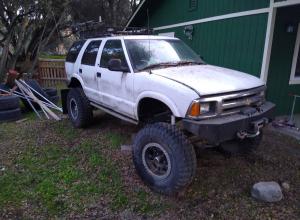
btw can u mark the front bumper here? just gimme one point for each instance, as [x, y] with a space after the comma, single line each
[218, 130]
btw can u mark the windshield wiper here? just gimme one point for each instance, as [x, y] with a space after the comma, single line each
[159, 65]
[189, 63]
[179, 63]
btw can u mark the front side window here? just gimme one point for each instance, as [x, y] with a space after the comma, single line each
[113, 50]
[74, 51]
[149, 53]
[90, 53]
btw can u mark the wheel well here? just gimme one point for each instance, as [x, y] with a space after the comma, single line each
[74, 83]
[153, 110]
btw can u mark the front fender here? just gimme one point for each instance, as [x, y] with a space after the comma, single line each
[160, 97]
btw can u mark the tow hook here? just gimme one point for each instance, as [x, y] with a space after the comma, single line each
[243, 134]
[257, 126]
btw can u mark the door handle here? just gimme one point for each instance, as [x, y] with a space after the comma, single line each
[80, 70]
[98, 75]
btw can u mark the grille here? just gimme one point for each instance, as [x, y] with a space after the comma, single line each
[235, 102]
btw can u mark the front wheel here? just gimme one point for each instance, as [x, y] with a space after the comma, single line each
[164, 158]
[79, 109]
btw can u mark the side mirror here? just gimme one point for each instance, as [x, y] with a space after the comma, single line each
[116, 65]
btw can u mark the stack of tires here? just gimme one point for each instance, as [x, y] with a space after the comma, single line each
[53, 95]
[49, 94]
[9, 108]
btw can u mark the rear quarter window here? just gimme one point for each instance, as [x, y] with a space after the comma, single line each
[74, 51]
[90, 53]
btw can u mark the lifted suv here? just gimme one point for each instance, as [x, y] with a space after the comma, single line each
[161, 83]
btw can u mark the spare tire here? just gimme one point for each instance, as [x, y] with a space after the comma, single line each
[10, 115]
[51, 91]
[9, 102]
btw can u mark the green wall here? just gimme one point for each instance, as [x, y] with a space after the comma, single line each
[236, 43]
[281, 61]
[177, 11]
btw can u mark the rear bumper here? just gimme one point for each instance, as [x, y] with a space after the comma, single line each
[218, 130]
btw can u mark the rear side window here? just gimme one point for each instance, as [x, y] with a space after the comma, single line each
[90, 53]
[74, 51]
[112, 50]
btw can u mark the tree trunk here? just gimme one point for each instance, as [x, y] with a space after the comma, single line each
[3, 60]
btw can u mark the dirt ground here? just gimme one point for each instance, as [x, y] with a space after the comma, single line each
[50, 170]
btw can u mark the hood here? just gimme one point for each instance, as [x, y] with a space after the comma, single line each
[209, 80]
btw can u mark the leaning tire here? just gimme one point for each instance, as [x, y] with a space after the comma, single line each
[36, 86]
[54, 99]
[10, 115]
[51, 91]
[9, 102]
[164, 158]
[79, 109]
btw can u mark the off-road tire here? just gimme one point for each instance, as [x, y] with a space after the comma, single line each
[51, 91]
[180, 152]
[85, 113]
[9, 102]
[242, 147]
[10, 115]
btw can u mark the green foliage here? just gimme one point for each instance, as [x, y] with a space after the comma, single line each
[115, 139]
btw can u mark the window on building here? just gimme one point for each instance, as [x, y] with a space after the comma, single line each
[90, 53]
[74, 51]
[295, 74]
[193, 5]
[112, 50]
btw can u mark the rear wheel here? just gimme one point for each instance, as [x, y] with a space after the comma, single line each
[164, 158]
[79, 109]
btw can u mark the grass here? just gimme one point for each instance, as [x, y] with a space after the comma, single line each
[115, 139]
[50, 170]
[61, 171]
[46, 56]
[55, 177]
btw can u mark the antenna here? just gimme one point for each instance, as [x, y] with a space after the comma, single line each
[148, 27]
[148, 20]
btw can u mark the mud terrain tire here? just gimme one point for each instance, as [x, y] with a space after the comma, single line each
[79, 109]
[161, 144]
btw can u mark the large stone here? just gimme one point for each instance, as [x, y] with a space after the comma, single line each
[267, 192]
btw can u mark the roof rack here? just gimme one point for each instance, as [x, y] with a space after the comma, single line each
[93, 29]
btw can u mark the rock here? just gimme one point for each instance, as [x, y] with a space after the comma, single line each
[285, 186]
[267, 192]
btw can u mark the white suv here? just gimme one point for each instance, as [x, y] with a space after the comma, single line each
[161, 83]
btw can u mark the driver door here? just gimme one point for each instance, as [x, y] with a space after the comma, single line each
[116, 88]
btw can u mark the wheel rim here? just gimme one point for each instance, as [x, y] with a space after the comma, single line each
[156, 160]
[74, 108]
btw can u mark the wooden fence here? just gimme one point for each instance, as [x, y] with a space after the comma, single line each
[52, 72]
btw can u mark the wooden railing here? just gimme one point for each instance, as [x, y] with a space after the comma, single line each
[52, 72]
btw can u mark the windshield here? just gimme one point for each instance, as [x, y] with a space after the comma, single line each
[147, 54]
